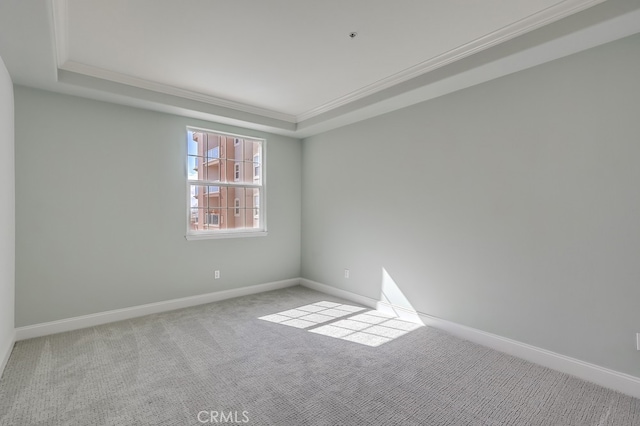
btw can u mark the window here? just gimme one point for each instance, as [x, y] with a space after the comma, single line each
[225, 185]
[213, 219]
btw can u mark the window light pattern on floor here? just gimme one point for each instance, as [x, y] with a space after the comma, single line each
[346, 322]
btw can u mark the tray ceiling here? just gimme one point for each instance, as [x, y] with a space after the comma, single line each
[279, 64]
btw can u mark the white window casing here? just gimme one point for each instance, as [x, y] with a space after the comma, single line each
[216, 185]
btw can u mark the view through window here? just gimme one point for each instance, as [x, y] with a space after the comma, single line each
[225, 184]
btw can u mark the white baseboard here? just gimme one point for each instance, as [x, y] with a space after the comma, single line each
[379, 305]
[621, 382]
[327, 289]
[611, 379]
[5, 353]
[400, 312]
[76, 323]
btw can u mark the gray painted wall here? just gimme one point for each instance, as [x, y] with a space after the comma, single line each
[100, 205]
[512, 207]
[7, 215]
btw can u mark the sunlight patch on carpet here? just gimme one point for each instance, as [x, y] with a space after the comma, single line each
[346, 322]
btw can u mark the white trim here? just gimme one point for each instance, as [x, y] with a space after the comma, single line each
[228, 233]
[621, 382]
[116, 77]
[544, 17]
[260, 186]
[5, 353]
[239, 184]
[60, 9]
[323, 288]
[525, 25]
[92, 320]
[234, 135]
[399, 311]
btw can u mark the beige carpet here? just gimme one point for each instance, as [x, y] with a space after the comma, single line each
[289, 357]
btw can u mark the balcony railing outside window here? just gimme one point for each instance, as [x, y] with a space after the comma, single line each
[206, 190]
[213, 153]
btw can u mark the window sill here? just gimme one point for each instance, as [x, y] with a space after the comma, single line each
[218, 235]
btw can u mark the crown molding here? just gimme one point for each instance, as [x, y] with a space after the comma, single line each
[530, 23]
[553, 13]
[60, 10]
[116, 77]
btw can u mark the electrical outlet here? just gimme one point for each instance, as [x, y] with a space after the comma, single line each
[216, 274]
[346, 273]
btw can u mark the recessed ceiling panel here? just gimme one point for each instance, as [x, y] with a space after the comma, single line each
[287, 56]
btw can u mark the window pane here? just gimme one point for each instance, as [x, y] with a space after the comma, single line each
[204, 196]
[218, 207]
[220, 159]
[223, 219]
[221, 149]
[212, 149]
[251, 148]
[194, 219]
[210, 166]
[193, 166]
[256, 206]
[211, 219]
[213, 192]
[244, 219]
[236, 148]
[213, 153]
[192, 145]
[257, 169]
[236, 194]
[212, 196]
[236, 175]
[194, 196]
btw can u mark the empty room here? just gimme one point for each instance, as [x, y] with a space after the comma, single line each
[320, 213]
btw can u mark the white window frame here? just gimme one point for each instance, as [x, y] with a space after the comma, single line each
[237, 171]
[259, 184]
[236, 207]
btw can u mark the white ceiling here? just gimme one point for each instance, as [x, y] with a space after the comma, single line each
[289, 66]
[287, 56]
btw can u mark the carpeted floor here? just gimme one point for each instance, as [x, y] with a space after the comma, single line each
[259, 360]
